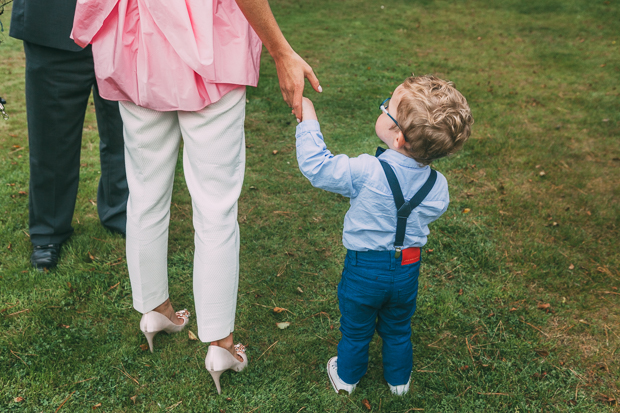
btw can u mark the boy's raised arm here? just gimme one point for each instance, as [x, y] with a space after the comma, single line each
[339, 174]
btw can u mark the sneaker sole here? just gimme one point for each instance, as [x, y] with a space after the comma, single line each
[329, 374]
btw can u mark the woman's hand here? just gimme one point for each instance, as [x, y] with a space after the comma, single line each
[292, 71]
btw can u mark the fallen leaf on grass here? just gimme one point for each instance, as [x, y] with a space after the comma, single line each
[466, 210]
[191, 335]
[144, 347]
[18, 399]
[543, 306]
[97, 405]
[512, 309]
[461, 291]
[133, 399]
[606, 399]
[274, 152]
[283, 325]
[300, 290]
[541, 173]
[542, 352]
[366, 404]
[279, 310]
[571, 267]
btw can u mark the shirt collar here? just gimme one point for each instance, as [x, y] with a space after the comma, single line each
[400, 159]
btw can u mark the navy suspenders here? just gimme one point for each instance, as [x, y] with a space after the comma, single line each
[403, 207]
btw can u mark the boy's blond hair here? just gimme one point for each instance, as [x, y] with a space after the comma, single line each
[434, 117]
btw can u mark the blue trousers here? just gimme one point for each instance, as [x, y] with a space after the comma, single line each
[376, 293]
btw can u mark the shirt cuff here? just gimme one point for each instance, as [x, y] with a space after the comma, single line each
[308, 126]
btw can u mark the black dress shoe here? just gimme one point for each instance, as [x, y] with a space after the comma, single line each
[45, 256]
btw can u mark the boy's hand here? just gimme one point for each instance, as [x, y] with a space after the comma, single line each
[308, 110]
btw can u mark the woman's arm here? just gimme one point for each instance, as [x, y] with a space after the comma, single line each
[292, 69]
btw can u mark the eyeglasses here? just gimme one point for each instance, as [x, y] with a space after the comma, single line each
[384, 106]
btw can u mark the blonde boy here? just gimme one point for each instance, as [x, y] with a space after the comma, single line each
[394, 196]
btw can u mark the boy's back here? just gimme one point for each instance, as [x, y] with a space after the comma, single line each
[370, 223]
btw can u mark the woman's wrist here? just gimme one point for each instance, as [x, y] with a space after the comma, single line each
[281, 51]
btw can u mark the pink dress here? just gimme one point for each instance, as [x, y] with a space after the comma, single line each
[168, 54]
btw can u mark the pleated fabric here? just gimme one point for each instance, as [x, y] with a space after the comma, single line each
[168, 54]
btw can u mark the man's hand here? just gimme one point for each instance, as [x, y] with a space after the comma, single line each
[292, 70]
[308, 110]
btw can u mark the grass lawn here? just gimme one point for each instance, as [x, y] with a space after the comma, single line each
[519, 304]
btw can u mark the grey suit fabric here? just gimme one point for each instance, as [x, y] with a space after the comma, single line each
[59, 79]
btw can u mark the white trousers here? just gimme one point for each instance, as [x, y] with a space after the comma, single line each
[213, 163]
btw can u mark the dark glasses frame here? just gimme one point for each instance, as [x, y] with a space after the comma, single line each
[383, 108]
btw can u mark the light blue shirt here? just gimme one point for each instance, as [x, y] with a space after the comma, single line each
[370, 223]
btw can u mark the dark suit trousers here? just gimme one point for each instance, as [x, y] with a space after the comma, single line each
[58, 85]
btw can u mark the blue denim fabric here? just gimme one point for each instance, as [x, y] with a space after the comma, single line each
[376, 292]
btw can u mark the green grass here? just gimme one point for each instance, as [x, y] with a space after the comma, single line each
[542, 79]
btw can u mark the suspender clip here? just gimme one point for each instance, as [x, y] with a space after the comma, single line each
[397, 253]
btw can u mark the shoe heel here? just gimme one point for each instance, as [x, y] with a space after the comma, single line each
[216, 378]
[149, 338]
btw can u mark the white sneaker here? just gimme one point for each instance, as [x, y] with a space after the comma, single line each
[337, 383]
[401, 389]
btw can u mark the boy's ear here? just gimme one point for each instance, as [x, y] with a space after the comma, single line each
[399, 140]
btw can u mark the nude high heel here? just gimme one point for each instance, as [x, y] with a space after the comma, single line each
[154, 322]
[219, 360]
